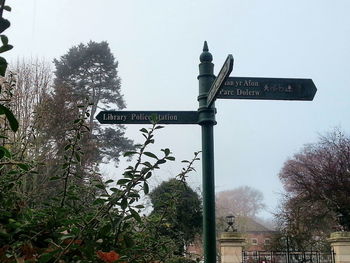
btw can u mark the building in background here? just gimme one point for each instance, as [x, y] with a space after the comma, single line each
[258, 238]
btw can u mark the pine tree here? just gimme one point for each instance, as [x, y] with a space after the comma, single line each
[86, 73]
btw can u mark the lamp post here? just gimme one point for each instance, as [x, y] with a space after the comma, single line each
[231, 242]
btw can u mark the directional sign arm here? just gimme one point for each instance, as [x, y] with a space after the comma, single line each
[145, 117]
[220, 80]
[267, 89]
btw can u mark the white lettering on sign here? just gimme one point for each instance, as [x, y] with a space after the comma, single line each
[251, 83]
[279, 88]
[242, 83]
[160, 117]
[113, 117]
[227, 92]
[247, 92]
[239, 92]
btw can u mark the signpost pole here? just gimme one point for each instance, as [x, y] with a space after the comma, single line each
[207, 122]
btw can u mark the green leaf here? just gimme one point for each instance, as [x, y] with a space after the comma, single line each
[44, 258]
[148, 175]
[5, 48]
[4, 40]
[109, 181]
[124, 203]
[66, 237]
[135, 215]
[65, 165]
[170, 158]
[114, 190]
[105, 229]
[4, 24]
[149, 141]
[100, 186]
[77, 157]
[4, 152]
[166, 151]
[144, 130]
[23, 166]
[145, 188]
[7, 8]
[123, 181]
[3, 66]
[154, 118]
[10, 117]
[149, 154]
[99, 201]
[148, 164]
[68, 146]
[129, 154]
[53, 178]
[129, 242]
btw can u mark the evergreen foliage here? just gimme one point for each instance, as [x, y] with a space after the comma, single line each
[85, 72]
[180, 209]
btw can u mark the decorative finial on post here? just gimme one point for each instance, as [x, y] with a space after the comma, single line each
[205, 47]
[206, 56]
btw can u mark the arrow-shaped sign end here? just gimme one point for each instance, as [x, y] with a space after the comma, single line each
[220, 80]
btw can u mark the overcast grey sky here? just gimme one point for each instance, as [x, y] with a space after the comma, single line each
[158, 43]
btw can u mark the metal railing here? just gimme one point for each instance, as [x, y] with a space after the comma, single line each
[287, 257]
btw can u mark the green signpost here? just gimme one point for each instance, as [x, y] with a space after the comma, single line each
[144, 117]
[210, 89]
[267, 89]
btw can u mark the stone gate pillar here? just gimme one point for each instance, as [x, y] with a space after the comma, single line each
[340, 243]
[231, 247]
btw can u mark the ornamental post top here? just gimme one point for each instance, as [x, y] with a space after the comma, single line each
[206, 56]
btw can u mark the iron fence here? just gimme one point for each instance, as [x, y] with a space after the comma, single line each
[287, 257]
